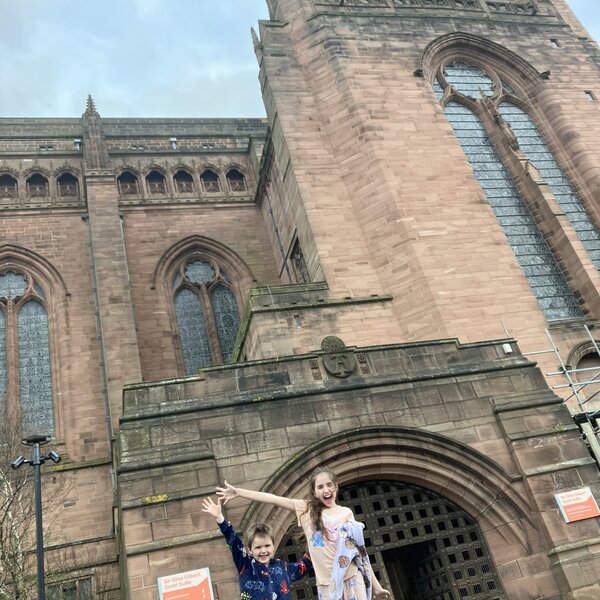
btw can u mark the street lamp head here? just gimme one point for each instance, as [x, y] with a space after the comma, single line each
[54, 456]
[15, 464]
[37, 438]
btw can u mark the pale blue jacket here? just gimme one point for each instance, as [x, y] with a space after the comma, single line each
[346, 554]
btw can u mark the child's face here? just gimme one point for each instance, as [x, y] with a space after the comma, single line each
[325, 489]
[262, 549]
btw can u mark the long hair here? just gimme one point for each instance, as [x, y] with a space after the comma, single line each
[315, 506]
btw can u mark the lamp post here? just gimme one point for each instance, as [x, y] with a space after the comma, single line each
[36, 461]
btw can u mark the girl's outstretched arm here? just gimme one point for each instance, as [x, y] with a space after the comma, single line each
[228, 492]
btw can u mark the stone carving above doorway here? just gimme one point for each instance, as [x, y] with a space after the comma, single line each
[338, 360]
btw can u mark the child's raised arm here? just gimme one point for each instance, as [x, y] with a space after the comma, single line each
[213, 508]
[228, 492]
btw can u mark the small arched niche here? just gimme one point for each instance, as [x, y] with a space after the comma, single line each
[184, 182]
[37, 186]
[156, 183]
[236, 181]
[128, 184]
[68, 186]
[210, 181]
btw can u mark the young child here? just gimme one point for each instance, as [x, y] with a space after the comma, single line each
[262, 577]
[334, 537]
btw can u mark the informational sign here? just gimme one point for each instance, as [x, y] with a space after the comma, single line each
[191, 585]
[577, 505]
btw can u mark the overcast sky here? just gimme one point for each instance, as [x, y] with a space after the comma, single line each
[145, 58]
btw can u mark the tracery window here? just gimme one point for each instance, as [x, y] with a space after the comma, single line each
[37, 186]
[156, 183]
[25, 368]
[236, 181]
[76, 589]
[8, 186]
[210, 181]
[532, 252]
[184, 183]
[207, 314]
[299, 264]
[68, 186]
[128, 184]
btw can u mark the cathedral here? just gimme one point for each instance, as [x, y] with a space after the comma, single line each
[395, 274]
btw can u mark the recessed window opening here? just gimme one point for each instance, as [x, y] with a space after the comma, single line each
[555, 43]
[236, 181]
[24, 335]
[531, 250]
[184, 183]
[37, 186]
[207, 314]
[68, 185]
[128, 184]
[157, 185]
[210, 181]
[8, 186]
[590, 95]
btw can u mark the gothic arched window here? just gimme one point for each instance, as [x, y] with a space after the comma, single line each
[184, 183]
[128, 184]
[207, 314]
[25, 366]
[37, 186]
[156, 182]
[8, 186]
[210, 181]
[236, 181]
[68, 186]
[459, 86]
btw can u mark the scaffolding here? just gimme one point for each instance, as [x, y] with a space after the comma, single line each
[578, 380]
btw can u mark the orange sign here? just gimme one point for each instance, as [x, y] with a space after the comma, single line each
[191, 585]
[577, 505]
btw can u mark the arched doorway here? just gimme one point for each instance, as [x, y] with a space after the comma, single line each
[422, 546]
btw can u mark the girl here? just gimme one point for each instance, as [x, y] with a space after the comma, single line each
[321, 518]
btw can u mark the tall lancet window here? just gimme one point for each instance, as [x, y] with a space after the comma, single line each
[25, 367]
[533, 145]
[458, 88]
[207, 313]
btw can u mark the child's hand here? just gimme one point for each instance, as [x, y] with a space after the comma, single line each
[213, 508]
[226, 493]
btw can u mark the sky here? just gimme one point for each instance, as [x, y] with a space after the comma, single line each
[141, 58]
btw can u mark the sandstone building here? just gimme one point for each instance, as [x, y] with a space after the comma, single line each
[369, 279]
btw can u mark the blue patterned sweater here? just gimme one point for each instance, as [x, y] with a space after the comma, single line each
[262, 582]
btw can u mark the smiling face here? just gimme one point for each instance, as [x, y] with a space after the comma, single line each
[262, 549]
[325, 489]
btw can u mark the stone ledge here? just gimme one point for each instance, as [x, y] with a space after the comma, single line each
[561, 466]
[240, 398]
[165, 544]
[541, 433]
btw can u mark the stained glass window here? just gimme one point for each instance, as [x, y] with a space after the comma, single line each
[467, 80]
[199, 272]
[3, 382]
[299, 264]
[26, 336]
[12, 285]
[532, 252]
[192, 331]
[227, 319]
[535, 148]
[34, 369]
[207, 314]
